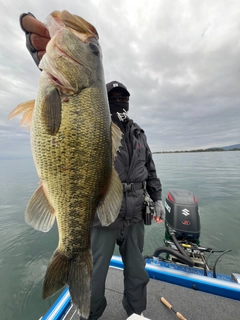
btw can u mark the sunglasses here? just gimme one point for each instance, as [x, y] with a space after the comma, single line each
[118, 98]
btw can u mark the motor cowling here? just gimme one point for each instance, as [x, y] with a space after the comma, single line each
[182, 215]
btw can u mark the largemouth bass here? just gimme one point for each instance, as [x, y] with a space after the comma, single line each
[73, 145]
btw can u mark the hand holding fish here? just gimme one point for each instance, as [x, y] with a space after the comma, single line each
[37, 36]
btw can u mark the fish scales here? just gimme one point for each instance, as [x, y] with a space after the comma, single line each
[78, 164]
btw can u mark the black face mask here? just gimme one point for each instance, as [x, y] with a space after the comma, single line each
[118, 107]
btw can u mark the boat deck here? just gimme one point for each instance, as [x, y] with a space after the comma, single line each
[192, 304]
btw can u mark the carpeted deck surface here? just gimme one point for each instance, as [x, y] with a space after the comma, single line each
[193, 305]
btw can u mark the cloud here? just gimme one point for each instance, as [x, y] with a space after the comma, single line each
[179, 60]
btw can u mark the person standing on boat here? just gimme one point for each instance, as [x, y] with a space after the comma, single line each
[137, 172]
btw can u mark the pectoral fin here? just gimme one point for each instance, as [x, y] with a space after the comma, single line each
[27, 109]
[108, 209]
[39, 213]
[51, 111]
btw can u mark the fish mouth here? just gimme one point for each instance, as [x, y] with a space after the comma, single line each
[55, 22]
[77, 25]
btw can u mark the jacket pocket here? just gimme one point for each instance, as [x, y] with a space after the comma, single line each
[141, 154]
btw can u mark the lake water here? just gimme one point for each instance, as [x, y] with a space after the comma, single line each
[24, 253]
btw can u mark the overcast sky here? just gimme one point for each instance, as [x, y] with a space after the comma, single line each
[180, 60]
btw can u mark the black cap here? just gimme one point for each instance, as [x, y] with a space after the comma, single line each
[115, 84]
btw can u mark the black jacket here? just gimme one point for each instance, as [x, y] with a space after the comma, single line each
[134, 163]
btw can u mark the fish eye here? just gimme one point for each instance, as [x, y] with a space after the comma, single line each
[94, 48]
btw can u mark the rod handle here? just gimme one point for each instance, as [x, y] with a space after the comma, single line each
[180, 316]
[167, 304]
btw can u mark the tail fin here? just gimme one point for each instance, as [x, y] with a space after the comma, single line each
[76, 272]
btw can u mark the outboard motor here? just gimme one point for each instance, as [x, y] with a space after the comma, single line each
[182, 215]
[182, 234]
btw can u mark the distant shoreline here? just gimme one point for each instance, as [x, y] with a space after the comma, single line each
[198, 150]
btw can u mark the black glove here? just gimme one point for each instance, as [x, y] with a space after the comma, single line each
[31, 49]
